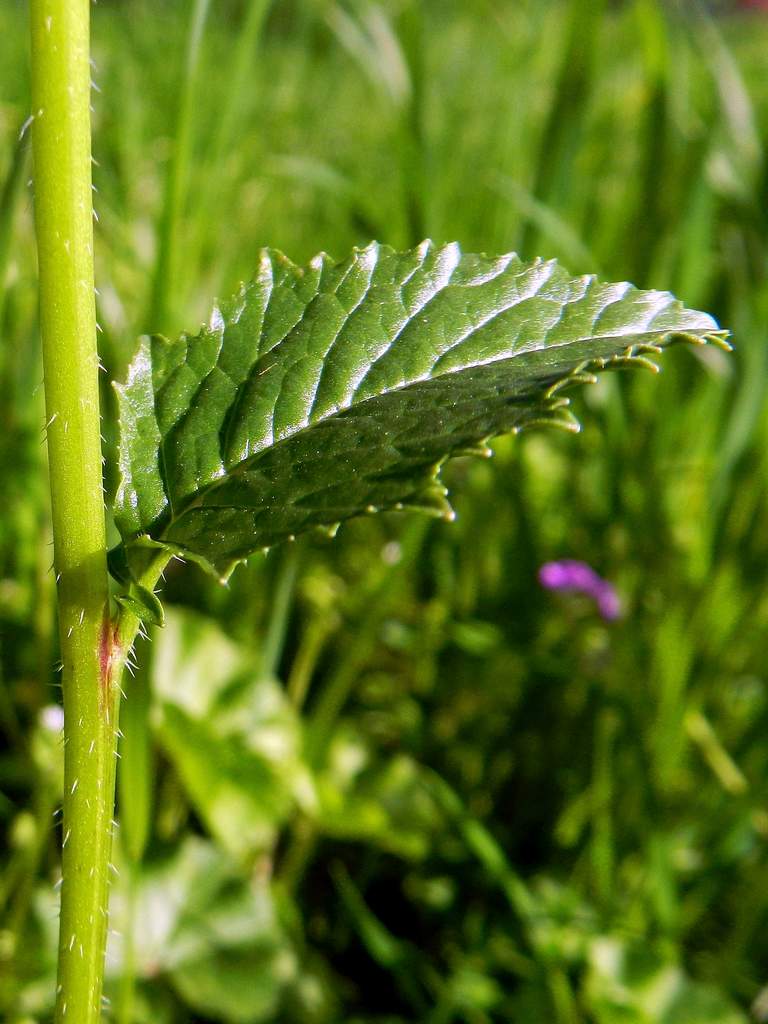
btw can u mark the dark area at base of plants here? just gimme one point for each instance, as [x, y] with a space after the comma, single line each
[410, 775]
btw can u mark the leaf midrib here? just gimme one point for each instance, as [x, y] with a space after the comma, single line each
[233, 469]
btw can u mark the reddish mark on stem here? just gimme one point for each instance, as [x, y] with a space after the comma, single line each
[109, 654]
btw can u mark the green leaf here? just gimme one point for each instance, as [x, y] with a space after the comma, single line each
[215, 935]
[324, 392]
[144, 604]
[140, 600]
[235, 986]
[629, 982]
[231, 734]
[382, 805]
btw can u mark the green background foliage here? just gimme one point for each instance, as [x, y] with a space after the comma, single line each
[387, 778]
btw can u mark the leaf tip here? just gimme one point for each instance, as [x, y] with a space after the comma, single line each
[479, 450]
[720, 339]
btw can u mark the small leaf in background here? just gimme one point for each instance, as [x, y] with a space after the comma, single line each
[213, 935]
[232, 736]
[630, 983]
[386, 806]
[324, 392]
[236, 986]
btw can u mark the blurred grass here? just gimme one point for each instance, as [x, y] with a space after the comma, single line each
[506, 809]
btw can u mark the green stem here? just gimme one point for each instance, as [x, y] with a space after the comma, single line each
[305, 661]
[378, 602]
[135, 804]
[274, 640]
[229, 118]
[334, 695]
[23, 872]
[127, 990]
[167, 269]
[64, 224]
[9, 202]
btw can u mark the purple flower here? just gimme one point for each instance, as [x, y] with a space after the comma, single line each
[573, 576]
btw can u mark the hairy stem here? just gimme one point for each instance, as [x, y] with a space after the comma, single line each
[63, 215]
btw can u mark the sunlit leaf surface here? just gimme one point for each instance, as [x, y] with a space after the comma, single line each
[322, 392]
